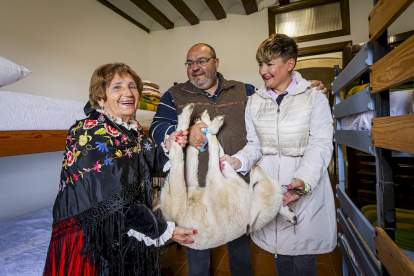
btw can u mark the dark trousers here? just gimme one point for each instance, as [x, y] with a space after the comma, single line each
[239, 259]
[302, 265]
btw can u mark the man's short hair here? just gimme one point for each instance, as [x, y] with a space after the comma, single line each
[277, 45]
[213, 52]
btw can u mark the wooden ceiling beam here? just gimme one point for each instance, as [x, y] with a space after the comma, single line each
[216, 8]
[250, 6]
[185, 11]
[124, 15]
[154, 13]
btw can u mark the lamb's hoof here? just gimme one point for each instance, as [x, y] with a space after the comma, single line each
[289, 215]
[189, 106]
[294, 219]
[205, 117]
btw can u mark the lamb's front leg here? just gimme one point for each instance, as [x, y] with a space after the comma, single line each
[191, 166]
[214, 147]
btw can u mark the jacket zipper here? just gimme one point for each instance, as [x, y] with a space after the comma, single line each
[278, 164]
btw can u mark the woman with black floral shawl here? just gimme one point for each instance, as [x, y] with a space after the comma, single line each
[102, 218]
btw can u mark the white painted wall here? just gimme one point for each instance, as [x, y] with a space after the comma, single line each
[236, 39]
[62, 42]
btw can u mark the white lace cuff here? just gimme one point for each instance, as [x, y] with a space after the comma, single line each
[243, 168]
[157, 242]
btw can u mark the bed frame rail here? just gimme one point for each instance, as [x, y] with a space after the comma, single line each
[364, 227]
[359, 64]
[360, 102]
[394, 260]
[395, 68]
[394, 133]
[352, 269]
[357, 139]
[384, 14]
[33, 141]
[365, 261]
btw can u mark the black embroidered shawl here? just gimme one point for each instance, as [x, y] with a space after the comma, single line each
[106, 189]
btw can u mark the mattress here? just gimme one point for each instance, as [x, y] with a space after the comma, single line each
[401, 103]
[19, 111]
[24, 242]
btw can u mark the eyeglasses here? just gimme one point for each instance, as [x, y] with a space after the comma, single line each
[199, 62]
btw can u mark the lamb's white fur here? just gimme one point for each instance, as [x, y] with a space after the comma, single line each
[227, 206]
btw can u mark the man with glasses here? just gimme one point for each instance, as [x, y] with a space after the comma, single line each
[208, 89]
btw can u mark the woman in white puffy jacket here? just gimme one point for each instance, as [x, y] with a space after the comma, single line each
[289, 127]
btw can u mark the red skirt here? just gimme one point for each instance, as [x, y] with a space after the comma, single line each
[64, 256]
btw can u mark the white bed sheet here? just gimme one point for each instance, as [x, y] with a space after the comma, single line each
[24, 242]
[401, 103]
[19, 111]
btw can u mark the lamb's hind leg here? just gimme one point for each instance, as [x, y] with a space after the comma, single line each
[184, 117]
[174, 193]
[191, 162]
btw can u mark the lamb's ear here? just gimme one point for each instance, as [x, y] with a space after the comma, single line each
[247, 230]
[254, 214]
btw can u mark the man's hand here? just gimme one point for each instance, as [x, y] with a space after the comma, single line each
[179, 137]
[290, 195]
[180, 235]
[196, 137]
[233, 161]
[319, 85]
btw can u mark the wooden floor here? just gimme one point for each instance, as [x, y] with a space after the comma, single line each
[174, 262]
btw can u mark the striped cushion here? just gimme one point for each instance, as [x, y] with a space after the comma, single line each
[404, 235]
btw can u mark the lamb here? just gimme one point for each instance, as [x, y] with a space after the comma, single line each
[227, 207]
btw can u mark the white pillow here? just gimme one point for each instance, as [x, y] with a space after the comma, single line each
[11, 72]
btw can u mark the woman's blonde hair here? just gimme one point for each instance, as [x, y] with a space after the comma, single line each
[277, 45]
[103, 76]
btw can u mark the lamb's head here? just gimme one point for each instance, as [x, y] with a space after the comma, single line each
[256, 174]
[266, 198]
[216, 124]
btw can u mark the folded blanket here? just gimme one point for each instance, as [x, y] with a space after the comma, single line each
[356, 89]
[147, 106]
[404, 234]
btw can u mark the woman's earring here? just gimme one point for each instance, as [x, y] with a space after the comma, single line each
[101, 117]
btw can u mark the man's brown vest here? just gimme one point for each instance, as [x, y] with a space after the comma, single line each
[231, 101]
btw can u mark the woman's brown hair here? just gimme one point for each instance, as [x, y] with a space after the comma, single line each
[277, 45]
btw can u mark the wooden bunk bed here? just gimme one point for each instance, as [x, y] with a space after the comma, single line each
[365, 249]
[33, 141]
